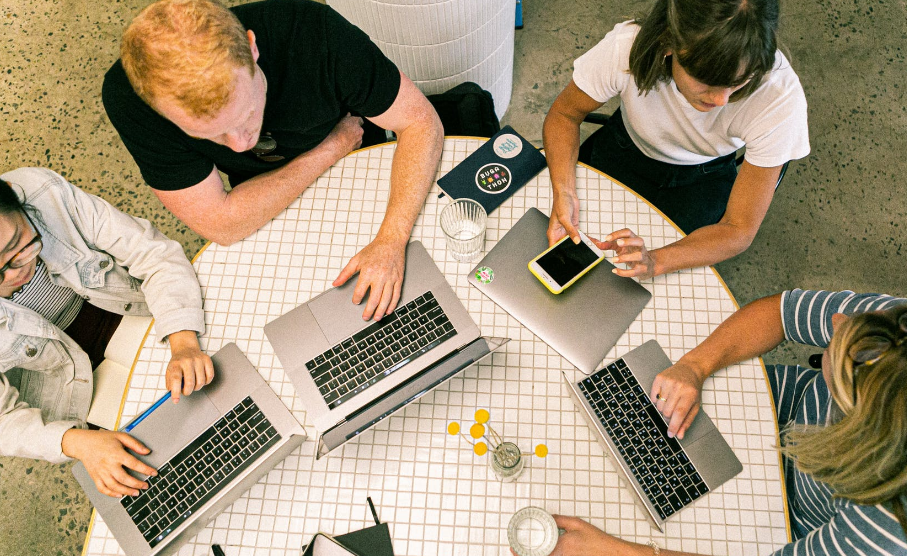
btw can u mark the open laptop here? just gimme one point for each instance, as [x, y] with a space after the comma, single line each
[584, 322]
[208, 449]
[664, 473]
[351, 373]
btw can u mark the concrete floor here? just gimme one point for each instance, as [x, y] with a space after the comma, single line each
[838, 221]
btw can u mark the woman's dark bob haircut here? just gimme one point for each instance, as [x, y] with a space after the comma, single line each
[9, 201]
[721, 43]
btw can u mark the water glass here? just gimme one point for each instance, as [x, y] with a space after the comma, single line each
[463, 224]
[532, 532]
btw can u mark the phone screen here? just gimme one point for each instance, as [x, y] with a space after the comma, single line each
[567, 260]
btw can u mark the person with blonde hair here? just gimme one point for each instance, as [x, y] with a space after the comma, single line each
[843, 429]
[272, 94]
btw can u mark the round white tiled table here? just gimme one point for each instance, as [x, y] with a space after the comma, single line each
[437, 495]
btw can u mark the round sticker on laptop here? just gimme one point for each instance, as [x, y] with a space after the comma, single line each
[484, 275]
[493, 178]
[507, 145]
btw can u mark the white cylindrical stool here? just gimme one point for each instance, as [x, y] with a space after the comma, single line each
[442, 43]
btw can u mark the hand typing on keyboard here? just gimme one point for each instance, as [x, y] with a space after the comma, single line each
[104, 455]
[189, 367]
[676, 393]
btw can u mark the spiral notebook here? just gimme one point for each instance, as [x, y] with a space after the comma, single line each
[495, 171]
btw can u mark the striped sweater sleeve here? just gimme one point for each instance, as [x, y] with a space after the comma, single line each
[806, 315]
[855, 530]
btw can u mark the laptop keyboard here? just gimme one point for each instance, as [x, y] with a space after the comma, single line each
[379, 349]
[660, 465]
[200, 470]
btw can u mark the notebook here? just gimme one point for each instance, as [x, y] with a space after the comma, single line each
[495, 171]
[112, 375]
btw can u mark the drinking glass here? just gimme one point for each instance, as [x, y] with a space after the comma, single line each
[463, 224]
[532, 532]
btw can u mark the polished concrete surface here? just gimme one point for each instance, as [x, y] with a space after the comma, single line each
[838, 221]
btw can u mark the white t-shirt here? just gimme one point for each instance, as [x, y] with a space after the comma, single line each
[771, 122]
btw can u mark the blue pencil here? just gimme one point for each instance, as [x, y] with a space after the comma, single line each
[132, 424]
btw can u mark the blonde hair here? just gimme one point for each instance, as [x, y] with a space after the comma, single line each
[863, 457]
[186, 51]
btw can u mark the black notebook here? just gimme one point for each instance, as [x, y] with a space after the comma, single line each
[495, 171]
[371, 541]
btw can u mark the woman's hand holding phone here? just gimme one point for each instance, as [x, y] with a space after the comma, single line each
[631, 250]
[562, 264]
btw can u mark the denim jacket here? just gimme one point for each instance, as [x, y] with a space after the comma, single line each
[114, 261]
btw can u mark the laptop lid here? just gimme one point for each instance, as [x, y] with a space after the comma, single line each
[584, 322]
[171, 427]
[328, 320]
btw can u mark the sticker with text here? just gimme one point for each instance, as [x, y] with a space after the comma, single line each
[507, 145]
[493, 178]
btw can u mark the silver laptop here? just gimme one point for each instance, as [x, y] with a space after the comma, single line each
[584, 322]
[351, 373]
[208, 449]
[666, 474]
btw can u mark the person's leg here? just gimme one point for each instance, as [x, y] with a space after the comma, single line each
[92, 329]
[611, 151]
[698, 195]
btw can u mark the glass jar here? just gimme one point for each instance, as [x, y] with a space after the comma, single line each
[507, 461]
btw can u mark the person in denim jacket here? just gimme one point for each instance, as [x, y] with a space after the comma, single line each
[61, 244]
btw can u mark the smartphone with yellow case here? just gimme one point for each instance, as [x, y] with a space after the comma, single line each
[565, 262]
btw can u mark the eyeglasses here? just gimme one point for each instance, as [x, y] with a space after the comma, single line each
[264, 147]
[867, 351]
[25, 255]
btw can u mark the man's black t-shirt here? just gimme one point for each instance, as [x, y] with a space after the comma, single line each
[318, 67]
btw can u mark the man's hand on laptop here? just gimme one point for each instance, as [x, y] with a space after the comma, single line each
[380, 266]
[189, 368]
[676, 393]
[104, 455]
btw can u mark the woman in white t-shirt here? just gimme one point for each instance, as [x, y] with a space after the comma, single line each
[697, 80]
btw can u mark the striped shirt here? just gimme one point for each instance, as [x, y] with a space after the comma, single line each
[820, 523]
[58, 304]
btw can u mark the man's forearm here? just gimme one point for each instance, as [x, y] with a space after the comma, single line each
[413, 171]
[753, 330]
[703, 247]
[560, 136]
[253, 203]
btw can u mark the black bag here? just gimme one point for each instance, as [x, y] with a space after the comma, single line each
[467, 109]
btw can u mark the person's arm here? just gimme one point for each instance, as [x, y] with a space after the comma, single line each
[226, 217]
[749, 201]
[753, 330]
[420, 138]
[583, 539]
[561, 139]
[168, 280]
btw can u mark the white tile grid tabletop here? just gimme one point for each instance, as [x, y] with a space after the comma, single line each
[437, 495]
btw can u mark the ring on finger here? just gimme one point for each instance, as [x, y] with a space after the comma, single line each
[659, 397]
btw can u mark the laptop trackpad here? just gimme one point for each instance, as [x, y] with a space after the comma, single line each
[172, 426]
[336, 314]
